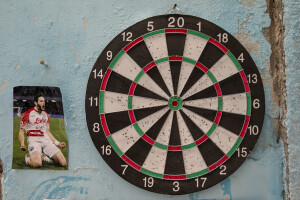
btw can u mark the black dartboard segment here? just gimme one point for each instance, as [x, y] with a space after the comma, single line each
[174, 104]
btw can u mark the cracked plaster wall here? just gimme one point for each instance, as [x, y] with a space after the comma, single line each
[292, 54]
[69, 36]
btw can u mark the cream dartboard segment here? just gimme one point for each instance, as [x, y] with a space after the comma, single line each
[174, 104]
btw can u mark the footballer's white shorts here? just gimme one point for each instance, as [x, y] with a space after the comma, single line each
[45, 146]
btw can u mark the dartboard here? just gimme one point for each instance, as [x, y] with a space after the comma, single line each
[174, 104]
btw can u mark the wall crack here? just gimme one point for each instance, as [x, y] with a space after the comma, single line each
[275, 36]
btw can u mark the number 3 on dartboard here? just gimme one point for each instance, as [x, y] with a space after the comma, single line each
[176, 187]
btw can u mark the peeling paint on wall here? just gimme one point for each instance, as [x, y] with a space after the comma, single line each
[75, 53]
[3, 85]
[35, 20]
[226, 187]
[3, 29]
[246, 38]
[277, 71]
[248, 3]
[85, 22]
[292, 50]
[20, 62]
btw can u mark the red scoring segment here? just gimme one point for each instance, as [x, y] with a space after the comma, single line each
[104, 82]
[149, 66]
[174, 148]
[103, 121]
[202, 67]
[201, 140]
[218, 117]
[183, 31]
[135, 42]
[217, 164]
[131, 163]
[218, 89]
[174, 103]
[137, 167]
[131, 115]
[175, 177]
[242, 73]
[220, 46]
[148, 139]
[132, 88]
[175, 58]
[244, 129]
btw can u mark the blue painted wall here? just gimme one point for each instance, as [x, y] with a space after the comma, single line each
[69, 35]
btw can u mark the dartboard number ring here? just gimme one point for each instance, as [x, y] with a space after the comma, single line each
[174, 104]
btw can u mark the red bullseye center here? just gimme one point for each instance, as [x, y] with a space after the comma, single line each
[175, 103]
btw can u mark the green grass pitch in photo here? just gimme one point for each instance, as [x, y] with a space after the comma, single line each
[57, 129]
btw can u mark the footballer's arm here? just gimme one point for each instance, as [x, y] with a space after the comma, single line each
[57, 143]
[22, 139]
[58, 157]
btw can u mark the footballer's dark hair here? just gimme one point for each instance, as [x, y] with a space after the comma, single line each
[37, 96]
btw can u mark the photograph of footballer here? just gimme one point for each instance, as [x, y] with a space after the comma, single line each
[40, 140]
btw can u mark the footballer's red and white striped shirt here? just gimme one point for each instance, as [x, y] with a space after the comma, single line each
[35, 123]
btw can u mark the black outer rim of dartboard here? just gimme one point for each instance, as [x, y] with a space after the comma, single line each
[160, 185]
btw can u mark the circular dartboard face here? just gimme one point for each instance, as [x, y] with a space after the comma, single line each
[174, 104]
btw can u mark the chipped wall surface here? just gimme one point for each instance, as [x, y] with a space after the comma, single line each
[69, 35]
[292, 53]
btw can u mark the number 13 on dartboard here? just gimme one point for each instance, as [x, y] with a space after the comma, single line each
[174, 104]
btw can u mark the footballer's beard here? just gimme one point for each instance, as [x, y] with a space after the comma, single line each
[40, 108]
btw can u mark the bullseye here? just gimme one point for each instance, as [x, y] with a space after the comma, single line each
[174, 103]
